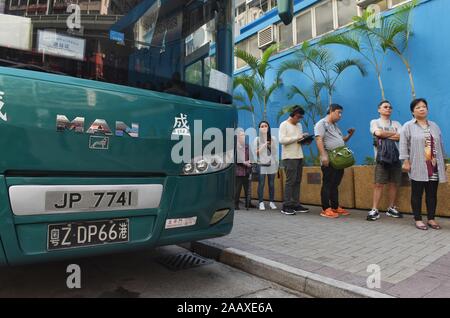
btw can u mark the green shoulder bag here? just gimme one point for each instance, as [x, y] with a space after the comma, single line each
[341, 158]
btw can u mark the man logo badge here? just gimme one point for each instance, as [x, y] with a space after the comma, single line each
[99, 142]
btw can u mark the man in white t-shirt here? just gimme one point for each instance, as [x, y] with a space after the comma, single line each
[385, 128]
[290, 137]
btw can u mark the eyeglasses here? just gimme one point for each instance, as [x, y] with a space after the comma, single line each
[387, 107]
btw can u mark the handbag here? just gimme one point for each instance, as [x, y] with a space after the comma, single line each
[265, 163]
[255, 171]
[341, 158]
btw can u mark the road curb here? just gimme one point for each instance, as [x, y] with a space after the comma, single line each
[285, 275]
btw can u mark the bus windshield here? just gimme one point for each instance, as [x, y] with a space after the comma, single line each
[166, 46]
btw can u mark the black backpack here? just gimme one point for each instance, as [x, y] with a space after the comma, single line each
[387, 153]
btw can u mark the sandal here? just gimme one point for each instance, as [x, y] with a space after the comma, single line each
[422, 227]
[434, 226]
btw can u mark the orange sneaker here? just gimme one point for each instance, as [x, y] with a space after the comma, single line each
[341, 211]
[329, 213]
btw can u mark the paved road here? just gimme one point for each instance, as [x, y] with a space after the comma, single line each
[138, 274]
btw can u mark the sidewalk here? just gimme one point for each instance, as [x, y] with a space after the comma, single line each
[413, 263]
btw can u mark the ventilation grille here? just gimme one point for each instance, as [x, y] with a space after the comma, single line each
[183, 261]
[265, 37]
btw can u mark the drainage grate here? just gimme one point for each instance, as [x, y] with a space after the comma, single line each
[183, 261]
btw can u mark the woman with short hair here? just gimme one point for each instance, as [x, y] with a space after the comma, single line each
[422, 152]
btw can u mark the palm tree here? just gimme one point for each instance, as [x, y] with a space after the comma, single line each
[254, 84]
[393, 35]
[321, 64]
[250, 87]
[365, 45]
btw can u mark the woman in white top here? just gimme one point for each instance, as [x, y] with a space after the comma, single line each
[266, 149]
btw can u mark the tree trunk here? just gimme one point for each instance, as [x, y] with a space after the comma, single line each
[265, 109]
[411, 79]
[380, 83]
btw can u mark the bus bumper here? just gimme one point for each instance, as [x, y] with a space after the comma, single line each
[24, 238]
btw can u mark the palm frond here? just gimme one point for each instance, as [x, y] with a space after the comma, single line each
[272, 88]
[247, 84]
[350, 40]
[318, 86]
[239, 97]
[283, 111]
[292, 65]
[295, 90]
[251, 60]
[341, 66]
[264, 62]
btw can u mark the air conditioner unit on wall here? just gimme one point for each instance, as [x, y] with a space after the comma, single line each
[266, 37]
[365, 3]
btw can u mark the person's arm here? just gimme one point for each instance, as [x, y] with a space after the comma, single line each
[284, 138]
[323, 153]
[275, 147]
[351, 131]
[387, 134]
[395, 137]
[261, 146]
[404, 148]
[377, 131]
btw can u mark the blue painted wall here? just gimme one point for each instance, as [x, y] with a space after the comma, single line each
[429, 55]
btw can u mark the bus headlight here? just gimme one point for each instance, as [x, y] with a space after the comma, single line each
[218, 216]
[188, 168]
[208, 164]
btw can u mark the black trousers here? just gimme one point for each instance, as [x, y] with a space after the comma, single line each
[240, 182]
[294, 170]
[331, 179]
[417, 189]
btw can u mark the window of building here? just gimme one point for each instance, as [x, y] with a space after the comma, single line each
[241, 46]
[304, 27]
[285, 36]
[252, 47]
[249, 45]
[397, 2]
[346, 9]
[383, 4]
[324, 18]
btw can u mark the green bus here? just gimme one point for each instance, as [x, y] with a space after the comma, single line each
[94, 97]
[92, 94]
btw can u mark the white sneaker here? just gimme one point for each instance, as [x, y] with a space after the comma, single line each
[261, 206]
[272, 206]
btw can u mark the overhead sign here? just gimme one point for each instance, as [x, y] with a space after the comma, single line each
[117, 36]
[50, 42]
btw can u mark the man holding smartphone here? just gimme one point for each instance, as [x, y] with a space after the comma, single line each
[329, 137]
[291, 138]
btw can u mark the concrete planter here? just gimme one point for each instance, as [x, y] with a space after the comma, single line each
[364, 178]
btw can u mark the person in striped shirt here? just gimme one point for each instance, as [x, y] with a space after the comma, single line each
[422, 152]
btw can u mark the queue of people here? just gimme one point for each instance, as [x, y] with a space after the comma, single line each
[416, 148]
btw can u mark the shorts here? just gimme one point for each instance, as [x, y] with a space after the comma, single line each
[385, 175]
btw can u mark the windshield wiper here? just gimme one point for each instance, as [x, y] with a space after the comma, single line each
[31, 67]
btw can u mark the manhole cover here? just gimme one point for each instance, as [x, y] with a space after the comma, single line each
[183, 261]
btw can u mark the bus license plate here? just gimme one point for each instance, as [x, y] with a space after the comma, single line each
[89, 233]
[89, 200]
